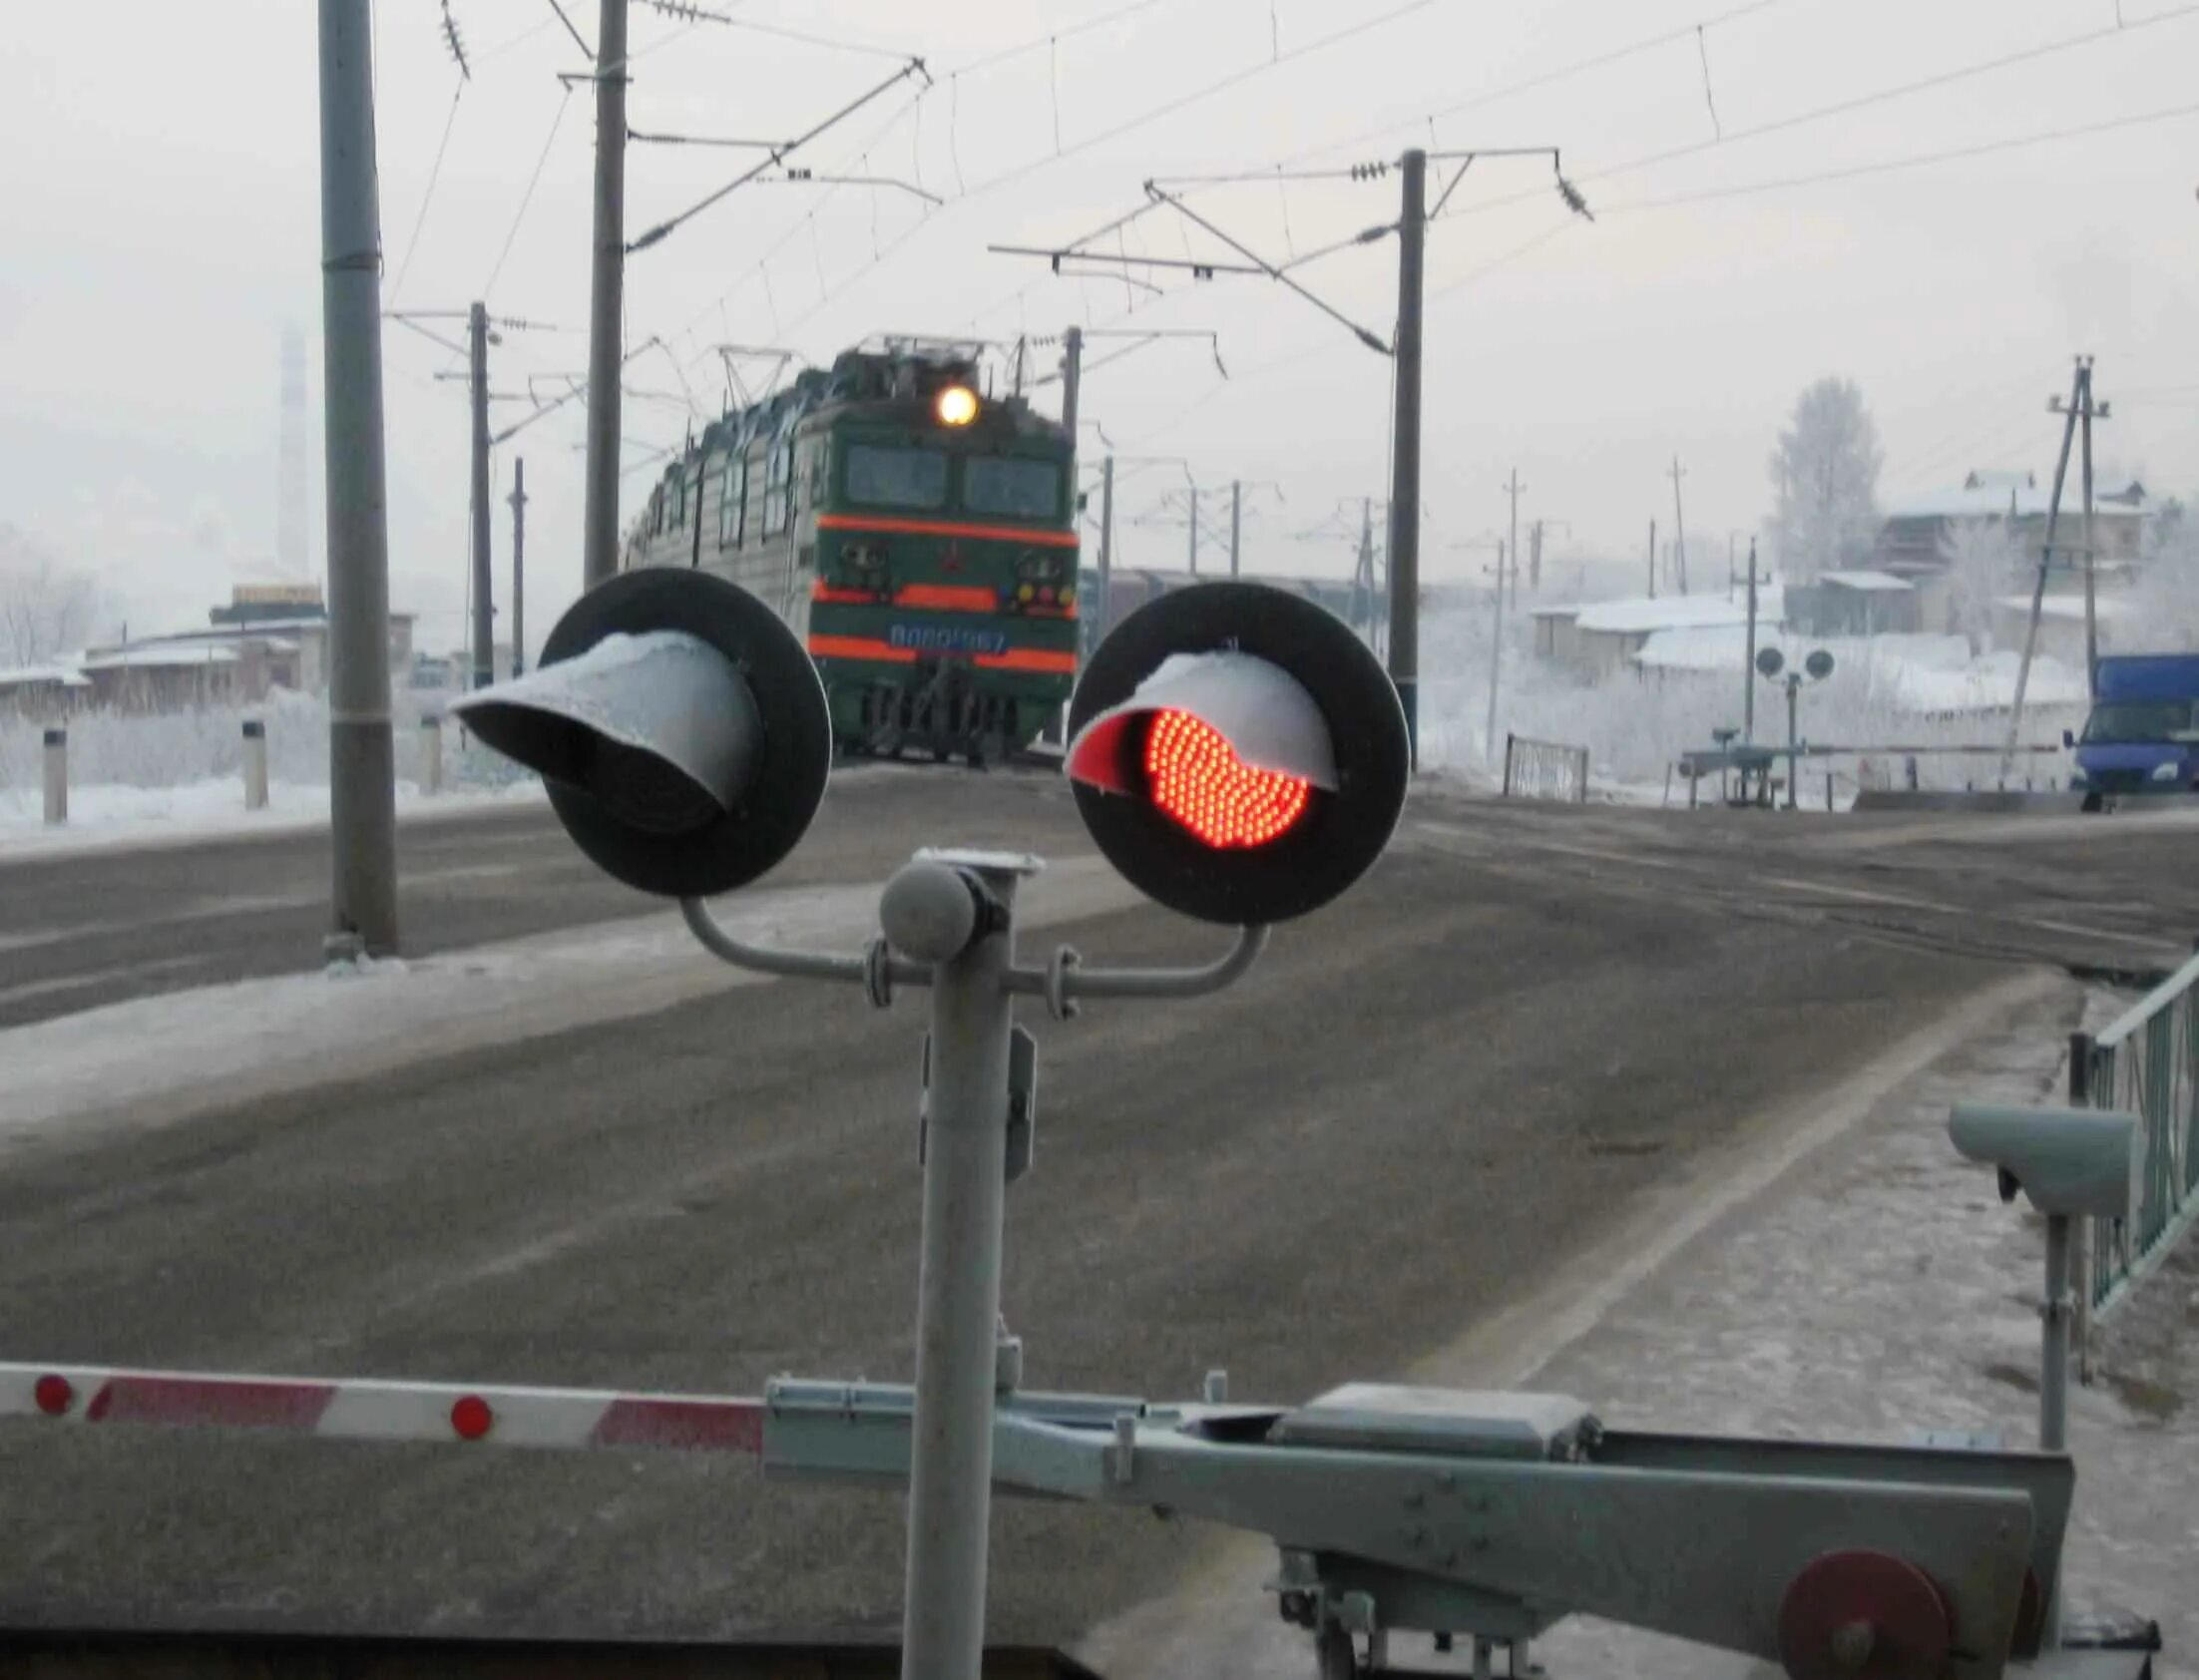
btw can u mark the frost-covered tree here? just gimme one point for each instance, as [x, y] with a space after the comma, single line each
[1825, 478]
[45, 609]
[1981, 562]
[2167, 593]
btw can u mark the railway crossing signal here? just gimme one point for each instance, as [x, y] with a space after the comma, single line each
[1237, 754]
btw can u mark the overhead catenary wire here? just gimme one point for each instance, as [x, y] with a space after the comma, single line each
[1854, 103]
[427, 197]
[914, 67]
[1920, 160]
[1548, 78]
[527, 197]
[967, 191]
[695, 14]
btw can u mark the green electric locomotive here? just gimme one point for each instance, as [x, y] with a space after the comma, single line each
[921, 537]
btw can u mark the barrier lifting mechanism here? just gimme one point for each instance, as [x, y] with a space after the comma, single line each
[1240, 757]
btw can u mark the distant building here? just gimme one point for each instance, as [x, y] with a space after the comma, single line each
[1604, 636]
[1859, 603]
[43, 693]
[269, 636]
[1909, 543]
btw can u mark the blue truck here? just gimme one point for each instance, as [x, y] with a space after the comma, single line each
[2142, 736]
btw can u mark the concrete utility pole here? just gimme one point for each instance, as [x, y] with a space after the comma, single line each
[2080, 397]
[1535, 559]
[1366, 557]
[1193, 523]
[1073, 367]
[1653, 559]
[362, 805]
[607, 299]
[519, 568]
[1679, 525]
[1236, 512]
[1495, 658]
[1748, 671]
[484, 643]
[1512, 487]
[1106, 536]
[2092, 606]
[1412, 230]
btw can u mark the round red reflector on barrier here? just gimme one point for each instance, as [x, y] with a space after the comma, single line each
[471, 1416]
[53, 1395]
[1196, 776]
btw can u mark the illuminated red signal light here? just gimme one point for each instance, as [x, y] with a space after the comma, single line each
[1194, 775]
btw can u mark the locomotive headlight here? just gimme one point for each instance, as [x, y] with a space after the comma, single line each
[957, 405]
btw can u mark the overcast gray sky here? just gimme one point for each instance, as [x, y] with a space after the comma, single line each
[162, 227]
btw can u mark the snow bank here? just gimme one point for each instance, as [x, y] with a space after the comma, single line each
[108, 815]
[1907, 691]
[137, 778]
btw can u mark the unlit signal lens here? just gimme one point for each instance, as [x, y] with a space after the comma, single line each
[1194, 775]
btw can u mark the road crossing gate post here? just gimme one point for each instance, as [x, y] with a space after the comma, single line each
[256, 764]
[431, 754]
[57, 777]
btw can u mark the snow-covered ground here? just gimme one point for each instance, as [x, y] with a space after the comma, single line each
[1839, 1273]
[159, 1059]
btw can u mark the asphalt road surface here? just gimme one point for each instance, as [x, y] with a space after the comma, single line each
[1420, 1100]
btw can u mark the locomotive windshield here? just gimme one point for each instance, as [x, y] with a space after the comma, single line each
[1005, 484]
[883, 476]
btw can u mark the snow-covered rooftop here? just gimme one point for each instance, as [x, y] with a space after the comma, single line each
[160, 657]
[23, 676]
[1988, 685]
[1640, 615]
[1992, 501]
[2069, 609]
[1866, 579]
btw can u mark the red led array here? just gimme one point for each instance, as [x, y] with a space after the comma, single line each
[1196, 776]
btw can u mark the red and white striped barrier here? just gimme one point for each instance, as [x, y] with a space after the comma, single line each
[372, 1411]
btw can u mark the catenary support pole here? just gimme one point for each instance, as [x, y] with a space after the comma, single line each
[1512, 487]
[484, 609]
[519, 568]
[1106, 541]
[958, 1301]
[606, 301]
[363, 788]
[1653, 559]
[1412, 229]
[1072, 368]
